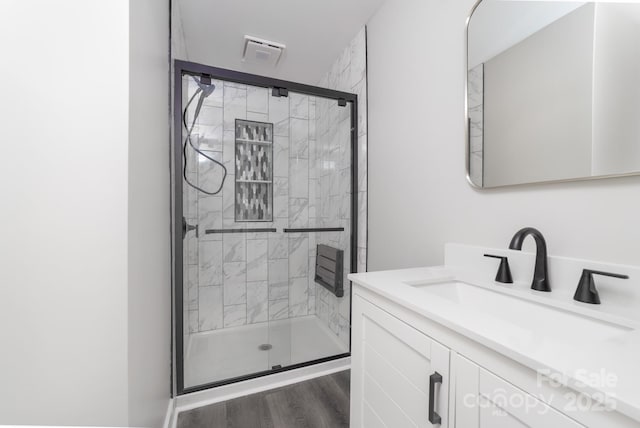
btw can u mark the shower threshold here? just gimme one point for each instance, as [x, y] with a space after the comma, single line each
[227, 353]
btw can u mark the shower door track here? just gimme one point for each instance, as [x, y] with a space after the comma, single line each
[182, 68]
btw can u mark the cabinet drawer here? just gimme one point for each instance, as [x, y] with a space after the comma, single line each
[483, 400]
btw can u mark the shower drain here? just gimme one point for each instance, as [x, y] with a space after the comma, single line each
[265, 346]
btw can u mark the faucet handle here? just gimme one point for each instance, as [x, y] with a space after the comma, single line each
[504, 272]
[586, 291]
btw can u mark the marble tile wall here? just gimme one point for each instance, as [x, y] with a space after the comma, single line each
[238, 279]
[476, 123]
[332, 177]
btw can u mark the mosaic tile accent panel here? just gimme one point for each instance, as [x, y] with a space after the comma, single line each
[254, 131]
[253, 162]
[254, 171]
[254, 202]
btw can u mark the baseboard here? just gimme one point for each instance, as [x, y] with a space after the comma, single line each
[169, 418]
[252, 386]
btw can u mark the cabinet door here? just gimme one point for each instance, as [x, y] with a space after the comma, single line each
[391, 368]
[483, 400]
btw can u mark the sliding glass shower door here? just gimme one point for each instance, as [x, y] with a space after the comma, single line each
[265, 179]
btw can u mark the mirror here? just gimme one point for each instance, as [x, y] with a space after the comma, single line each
[553, 92]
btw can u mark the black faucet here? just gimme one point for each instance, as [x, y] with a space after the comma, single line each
[540, 274]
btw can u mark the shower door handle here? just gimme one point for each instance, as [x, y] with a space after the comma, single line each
[186, 228]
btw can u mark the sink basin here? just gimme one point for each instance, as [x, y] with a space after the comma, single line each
[524, 321]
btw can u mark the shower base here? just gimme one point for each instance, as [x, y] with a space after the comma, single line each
[217, 355]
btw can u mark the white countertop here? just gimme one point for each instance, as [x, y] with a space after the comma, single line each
[579, 362]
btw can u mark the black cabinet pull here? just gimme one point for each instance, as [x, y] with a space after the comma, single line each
[434, 417]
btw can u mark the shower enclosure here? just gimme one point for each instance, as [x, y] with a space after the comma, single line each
[264, 224]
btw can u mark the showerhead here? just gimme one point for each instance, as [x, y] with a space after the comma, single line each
[205, 85]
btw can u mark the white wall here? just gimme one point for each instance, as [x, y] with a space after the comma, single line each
[314, 32]
[84, 270]
[178, 44]
[149, 214]
[418, 196]
[63, 261]
[616, 128]
[498, 25]
[537, 105]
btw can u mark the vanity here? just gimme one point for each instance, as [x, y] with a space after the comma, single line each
[449, 346]
[551, 96]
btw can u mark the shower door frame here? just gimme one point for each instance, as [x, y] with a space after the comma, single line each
[194, 69]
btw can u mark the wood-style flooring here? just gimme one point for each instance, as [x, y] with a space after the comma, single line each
[317, 403]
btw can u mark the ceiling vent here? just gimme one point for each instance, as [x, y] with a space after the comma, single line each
[262, 52]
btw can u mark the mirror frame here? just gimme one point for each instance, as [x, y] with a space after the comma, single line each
[467, 136]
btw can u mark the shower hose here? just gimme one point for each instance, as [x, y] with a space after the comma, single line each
[203, 91]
